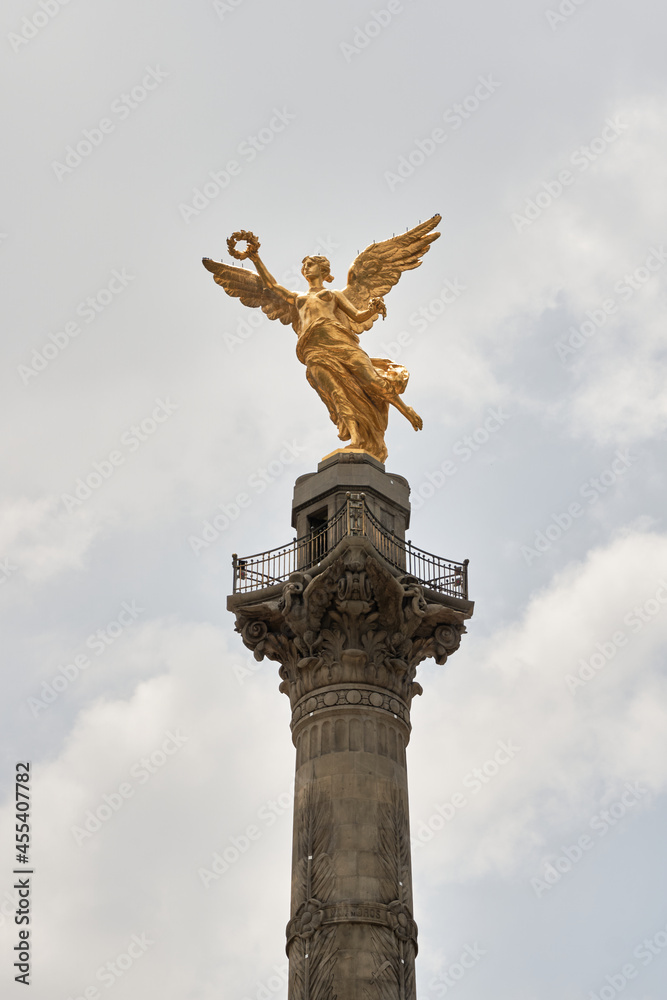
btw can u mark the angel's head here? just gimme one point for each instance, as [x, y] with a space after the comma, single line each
[316, 267]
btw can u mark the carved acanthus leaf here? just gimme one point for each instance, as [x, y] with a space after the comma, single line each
[355, 604]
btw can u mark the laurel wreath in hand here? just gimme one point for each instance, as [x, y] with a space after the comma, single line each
[251, 241]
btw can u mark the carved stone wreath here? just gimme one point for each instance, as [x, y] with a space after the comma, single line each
[401, 921]
[307, 920]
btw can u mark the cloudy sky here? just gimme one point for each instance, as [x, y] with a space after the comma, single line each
[139, 401]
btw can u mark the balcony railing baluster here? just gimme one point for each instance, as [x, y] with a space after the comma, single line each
[353, 518]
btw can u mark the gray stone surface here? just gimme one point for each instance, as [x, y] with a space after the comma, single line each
[348, 636]
[322, 493]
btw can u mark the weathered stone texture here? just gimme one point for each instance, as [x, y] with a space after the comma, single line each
[348, 636]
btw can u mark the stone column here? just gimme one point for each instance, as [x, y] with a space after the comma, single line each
[352, 933]
[349, 634]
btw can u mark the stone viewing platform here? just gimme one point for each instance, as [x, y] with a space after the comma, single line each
[329, 505]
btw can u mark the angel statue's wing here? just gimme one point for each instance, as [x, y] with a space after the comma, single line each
[377, 268]
[248, 287]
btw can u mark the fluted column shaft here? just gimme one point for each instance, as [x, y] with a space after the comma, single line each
[351, 879]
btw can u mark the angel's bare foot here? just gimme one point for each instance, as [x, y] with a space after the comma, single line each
[407, 411]
[414, 418]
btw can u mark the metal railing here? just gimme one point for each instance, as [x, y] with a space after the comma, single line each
[353, 518]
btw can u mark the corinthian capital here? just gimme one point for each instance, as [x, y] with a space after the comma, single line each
[355, 619]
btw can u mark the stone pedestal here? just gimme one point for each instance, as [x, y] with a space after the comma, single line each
[319, 495]
[349, 634]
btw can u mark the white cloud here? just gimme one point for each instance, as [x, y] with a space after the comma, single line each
[164, 337]
[40, 539]
[572, 257]
[138, 871]
[579, 742]
[576, 752]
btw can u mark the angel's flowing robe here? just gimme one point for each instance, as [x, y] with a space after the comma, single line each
[355, 388]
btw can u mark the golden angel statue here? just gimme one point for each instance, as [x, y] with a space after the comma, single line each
[356, 389]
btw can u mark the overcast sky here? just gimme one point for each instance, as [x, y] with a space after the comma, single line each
[139, 401]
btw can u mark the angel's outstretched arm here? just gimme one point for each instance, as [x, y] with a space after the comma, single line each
[270, 281]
